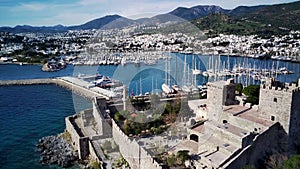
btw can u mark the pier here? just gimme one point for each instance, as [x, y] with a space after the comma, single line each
[26, 82]
[70, 83]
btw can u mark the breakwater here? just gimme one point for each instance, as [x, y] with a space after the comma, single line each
[26, 82]
[69, 85]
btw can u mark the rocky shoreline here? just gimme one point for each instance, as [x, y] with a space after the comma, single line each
[56, 150]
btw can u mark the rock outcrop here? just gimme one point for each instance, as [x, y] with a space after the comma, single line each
[55, 150]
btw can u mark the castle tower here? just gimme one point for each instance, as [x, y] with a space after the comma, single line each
[281, 103]
[219, 94]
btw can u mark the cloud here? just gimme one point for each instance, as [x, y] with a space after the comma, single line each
[30, 7]
[92, 2]
[69, 18]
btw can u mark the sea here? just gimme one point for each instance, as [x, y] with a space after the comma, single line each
[28, 113]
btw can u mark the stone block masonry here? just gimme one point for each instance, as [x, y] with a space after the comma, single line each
[136, 156]
[79, 142]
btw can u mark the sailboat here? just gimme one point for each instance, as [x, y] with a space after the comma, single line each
[165, 86]
[166, 89]
[196, 71]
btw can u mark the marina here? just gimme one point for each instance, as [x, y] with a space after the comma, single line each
[179, 72]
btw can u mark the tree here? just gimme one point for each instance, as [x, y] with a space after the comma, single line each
[171, 160]
[239, 88]
[183, 155]
[141, 118]
[117, 116]
[276, 161]
[126, 128]
[252, 93]
[292, 163]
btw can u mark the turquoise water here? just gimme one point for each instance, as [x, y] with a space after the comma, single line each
[27, 113]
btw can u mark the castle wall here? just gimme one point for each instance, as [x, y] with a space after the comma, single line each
[243, 123]
[222, 133]
[93, 153]
[99, 109]
[136, 156]
[79, 142]
[262, 144]
[295, 119]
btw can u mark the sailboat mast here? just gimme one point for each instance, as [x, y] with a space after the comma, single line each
[141, 90]
[152, 86]
[166, 71]
[184, 71]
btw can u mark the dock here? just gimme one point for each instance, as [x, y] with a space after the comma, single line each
[26, 82]
[70, 83]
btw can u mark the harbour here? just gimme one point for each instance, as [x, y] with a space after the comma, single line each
[144, 78]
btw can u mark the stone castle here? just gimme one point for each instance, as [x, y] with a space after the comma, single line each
[232, 135]
[236, 135]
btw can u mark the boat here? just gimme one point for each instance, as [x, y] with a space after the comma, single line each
[205, 74]
[166, 89]
[196, 72]
[176, 88]
[186, 89]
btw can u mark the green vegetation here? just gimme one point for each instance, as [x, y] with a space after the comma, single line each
[221, 23]
[171, 160]
[66, 136]
[239, 88]
[94, 165]
[292, 163]
[282, 15]
[121, 163]
[175, 161]
[252, 93]
[153, 120]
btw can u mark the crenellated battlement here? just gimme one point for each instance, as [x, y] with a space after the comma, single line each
[273, 85]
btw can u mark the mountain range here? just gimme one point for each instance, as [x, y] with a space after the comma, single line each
[285, 16]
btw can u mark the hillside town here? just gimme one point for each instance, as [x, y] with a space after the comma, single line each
[77, 46]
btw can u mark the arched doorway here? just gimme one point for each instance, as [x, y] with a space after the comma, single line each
[194, 137]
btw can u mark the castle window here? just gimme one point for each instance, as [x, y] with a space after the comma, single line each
[273, 118]
[225, 122]
[275, 100]
[255, 129]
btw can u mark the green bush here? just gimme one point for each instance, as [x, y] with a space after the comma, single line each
[292, 163]
[252, 93]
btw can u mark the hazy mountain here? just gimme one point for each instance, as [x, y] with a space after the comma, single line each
[197, 11]
[109, 21]
[27, 28]
[280, 15]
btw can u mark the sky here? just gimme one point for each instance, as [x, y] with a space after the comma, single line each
[76, 12]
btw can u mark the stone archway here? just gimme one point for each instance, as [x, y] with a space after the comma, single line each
[194, 137]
